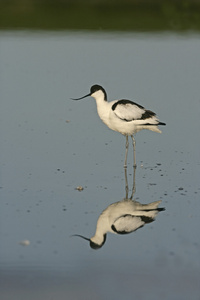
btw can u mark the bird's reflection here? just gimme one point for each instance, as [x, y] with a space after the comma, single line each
[123, 217]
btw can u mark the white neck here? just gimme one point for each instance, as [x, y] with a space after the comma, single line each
[99, 96]
[102, 106]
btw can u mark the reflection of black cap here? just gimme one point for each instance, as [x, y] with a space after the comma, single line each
[97, 246]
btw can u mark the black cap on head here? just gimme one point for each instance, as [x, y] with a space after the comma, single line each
[96, 88]
[93, 89]
[96, 246]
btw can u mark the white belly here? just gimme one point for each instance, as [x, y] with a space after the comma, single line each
[108, 117]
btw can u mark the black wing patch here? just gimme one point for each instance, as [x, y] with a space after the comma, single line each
[129, 225]
[123, 102]
[120, 232]
[147, 113]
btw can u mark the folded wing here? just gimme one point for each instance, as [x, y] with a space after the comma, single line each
[129, 111]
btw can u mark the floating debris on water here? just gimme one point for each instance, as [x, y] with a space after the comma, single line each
[25, 243]
[79, 188]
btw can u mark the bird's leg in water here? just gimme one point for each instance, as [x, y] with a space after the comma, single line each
[127, 144]
[134, 160]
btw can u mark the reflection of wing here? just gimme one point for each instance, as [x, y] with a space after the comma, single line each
[128, 223]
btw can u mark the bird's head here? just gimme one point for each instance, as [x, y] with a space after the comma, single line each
[96, 91]
[94, 244]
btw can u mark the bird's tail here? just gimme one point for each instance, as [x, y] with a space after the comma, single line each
[151, 127]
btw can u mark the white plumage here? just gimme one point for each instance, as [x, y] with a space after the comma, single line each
[128, 111]
[124, 116]
[122, 217]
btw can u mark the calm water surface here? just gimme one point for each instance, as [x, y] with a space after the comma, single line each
[50, 145]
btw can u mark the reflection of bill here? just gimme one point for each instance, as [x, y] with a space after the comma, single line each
[123, 217]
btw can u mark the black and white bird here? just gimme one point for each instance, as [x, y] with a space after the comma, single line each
[122, 217]
[124, 116]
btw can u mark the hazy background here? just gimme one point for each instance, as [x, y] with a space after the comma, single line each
[115, 15]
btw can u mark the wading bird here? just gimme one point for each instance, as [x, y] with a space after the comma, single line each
[124, 116]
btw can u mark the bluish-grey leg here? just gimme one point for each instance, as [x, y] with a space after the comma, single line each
[126, 154]
[134, 160]
[126, 183]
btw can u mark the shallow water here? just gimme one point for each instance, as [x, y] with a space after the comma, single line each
[50, 145]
